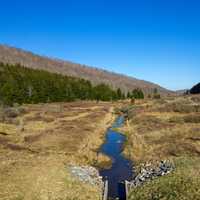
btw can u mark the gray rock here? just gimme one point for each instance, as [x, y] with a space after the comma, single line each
[87, 174]
[149, 172]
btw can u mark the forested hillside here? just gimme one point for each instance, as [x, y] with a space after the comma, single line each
[19, 84]
[195, 89]
[96, 76]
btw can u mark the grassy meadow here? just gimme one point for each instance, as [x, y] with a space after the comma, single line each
[167, 128]
[38, 142]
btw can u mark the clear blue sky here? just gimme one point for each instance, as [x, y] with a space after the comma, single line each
[155, 40]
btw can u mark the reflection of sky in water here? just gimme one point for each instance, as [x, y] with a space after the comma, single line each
[118, 122]
[121, 168]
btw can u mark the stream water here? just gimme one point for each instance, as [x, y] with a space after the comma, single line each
[121, 168]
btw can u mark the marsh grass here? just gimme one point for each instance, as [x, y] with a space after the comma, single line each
[166, 130]
[33, 162]
[182, 184]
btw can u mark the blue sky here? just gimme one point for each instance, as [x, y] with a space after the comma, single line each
[155, 40]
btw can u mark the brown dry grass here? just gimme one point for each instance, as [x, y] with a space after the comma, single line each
[166, 129]
[34, 159]
[156, 133]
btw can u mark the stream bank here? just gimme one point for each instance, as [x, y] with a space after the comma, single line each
[122, 168]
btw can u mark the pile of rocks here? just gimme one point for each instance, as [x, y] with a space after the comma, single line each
[149, 172]
[87, 174]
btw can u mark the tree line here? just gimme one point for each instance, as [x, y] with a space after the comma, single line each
[19, 84]
[136, 94]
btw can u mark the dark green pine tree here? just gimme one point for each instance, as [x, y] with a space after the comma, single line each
[128, 95]
[119, 93]
[24, 85]
[137, 94]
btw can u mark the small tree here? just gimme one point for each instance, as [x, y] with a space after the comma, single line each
[119, 93]
[137, 94]
[128, 95]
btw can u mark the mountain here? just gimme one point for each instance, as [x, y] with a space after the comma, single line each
[28, 59]
[181, 91]
[195, 89]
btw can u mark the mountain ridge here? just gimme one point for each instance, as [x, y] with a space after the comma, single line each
[13, 55]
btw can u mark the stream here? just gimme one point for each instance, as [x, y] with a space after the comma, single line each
[121, 168]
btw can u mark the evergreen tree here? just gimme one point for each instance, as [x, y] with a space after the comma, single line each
[137, 94]
[23, 85]
[128, 95]
[119, 93]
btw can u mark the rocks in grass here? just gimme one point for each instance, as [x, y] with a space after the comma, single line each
[87, 174]
[149, 172]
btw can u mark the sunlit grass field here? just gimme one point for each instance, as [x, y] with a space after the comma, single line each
[166, 129]
[39, 143]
